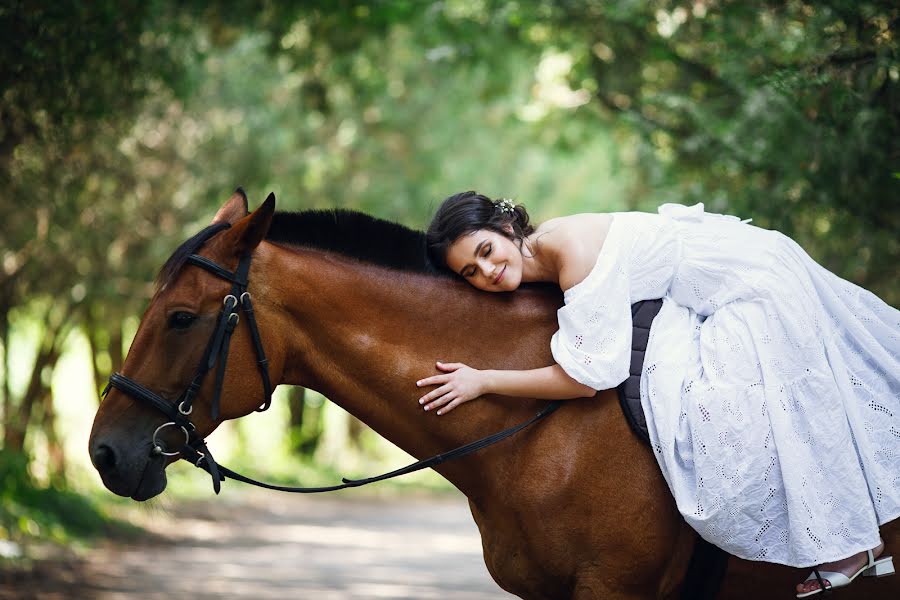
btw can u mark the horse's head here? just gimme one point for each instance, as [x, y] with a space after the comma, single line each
[180, 342]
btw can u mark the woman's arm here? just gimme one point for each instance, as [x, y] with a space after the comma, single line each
[461, 383]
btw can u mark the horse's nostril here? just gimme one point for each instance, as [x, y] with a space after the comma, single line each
[104, 458]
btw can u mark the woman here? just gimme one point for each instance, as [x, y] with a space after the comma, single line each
[771, 386]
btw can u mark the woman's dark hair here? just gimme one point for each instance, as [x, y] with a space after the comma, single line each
[467, 212]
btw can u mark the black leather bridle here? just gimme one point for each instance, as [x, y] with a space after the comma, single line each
[216, 355]
[195, 450]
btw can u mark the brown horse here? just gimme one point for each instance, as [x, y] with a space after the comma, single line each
[573, 507]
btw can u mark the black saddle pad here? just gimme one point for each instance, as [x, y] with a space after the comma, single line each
[642, 315]
[709, 563]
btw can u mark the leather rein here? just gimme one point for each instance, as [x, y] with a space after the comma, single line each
[194, 449]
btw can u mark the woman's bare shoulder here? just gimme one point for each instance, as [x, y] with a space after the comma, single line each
[575, 242]
[584, 229]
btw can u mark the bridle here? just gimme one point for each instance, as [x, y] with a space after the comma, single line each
[215, 355]
[195, 450]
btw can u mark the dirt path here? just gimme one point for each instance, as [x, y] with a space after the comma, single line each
[270, 546]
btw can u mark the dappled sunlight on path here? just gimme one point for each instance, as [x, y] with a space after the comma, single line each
[269, 546]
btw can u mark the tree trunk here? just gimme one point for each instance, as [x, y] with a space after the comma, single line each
[90, 327]
[355, 429]
[296, 402]
[304, 422]
[116, 354]
[56, 454]
[4, 339]
[17, 420]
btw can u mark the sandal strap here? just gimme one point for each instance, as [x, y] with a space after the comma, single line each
[835, 579]
[822, 585]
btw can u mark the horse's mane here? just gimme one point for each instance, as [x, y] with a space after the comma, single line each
[353, 234]
[346, 232]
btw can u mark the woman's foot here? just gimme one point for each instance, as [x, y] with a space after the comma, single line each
[849, 567]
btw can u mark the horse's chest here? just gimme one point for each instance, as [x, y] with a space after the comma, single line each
[519, 557]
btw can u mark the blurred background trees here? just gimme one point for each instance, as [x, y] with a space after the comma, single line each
[124, 124]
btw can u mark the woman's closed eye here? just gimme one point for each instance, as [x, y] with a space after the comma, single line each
[484, 250]
[470, 271]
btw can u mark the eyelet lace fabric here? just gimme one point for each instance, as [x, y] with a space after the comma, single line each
[771, 386]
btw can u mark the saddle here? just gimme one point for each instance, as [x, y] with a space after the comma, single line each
[642, 315]
[706, 570]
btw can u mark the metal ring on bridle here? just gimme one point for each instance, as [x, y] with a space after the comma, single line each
[185, 412]
[233, 321]
[243, 301]
[225, 301]
[156, 443]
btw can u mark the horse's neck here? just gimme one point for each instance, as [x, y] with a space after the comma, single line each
[363, 335]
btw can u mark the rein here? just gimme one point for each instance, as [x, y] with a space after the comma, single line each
[195, 450]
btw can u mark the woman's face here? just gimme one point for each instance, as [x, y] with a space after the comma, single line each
[487, 260]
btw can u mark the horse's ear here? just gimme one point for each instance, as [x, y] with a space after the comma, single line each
[252, 229]
[234, 209]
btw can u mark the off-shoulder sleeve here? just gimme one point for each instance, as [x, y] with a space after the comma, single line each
[593, 344]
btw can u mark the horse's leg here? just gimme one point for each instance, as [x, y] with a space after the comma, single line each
[672, 580]
[600, 591]
[594, 582]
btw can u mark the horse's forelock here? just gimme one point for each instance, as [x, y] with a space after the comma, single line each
[173, 265]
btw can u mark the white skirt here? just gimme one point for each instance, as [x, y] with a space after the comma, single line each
[776, 419]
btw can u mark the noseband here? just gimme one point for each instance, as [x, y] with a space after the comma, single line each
[216, 354]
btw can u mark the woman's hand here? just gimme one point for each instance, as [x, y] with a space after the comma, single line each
[458, 384]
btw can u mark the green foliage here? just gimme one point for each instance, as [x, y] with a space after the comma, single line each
[29, 511]
[783, 111]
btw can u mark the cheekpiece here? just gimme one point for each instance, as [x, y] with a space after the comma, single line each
[504, 205]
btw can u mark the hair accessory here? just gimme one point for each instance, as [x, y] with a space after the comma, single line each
[504, 205]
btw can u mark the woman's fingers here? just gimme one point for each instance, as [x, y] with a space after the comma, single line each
[453, 404]
[449, 366]
[433, 380]
[440, 402]
[452, 388]
[437, 393]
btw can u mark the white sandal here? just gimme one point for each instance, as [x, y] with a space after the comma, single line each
[874, 568]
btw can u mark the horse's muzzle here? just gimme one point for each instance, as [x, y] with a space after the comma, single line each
[135, 474]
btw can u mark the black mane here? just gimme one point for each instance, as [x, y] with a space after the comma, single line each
[347, 232]
[353, 234]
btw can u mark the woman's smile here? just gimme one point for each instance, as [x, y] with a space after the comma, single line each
[487, 260]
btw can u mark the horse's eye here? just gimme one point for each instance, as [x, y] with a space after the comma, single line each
[181, 320]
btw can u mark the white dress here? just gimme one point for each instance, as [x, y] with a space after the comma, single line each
[771, 386]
